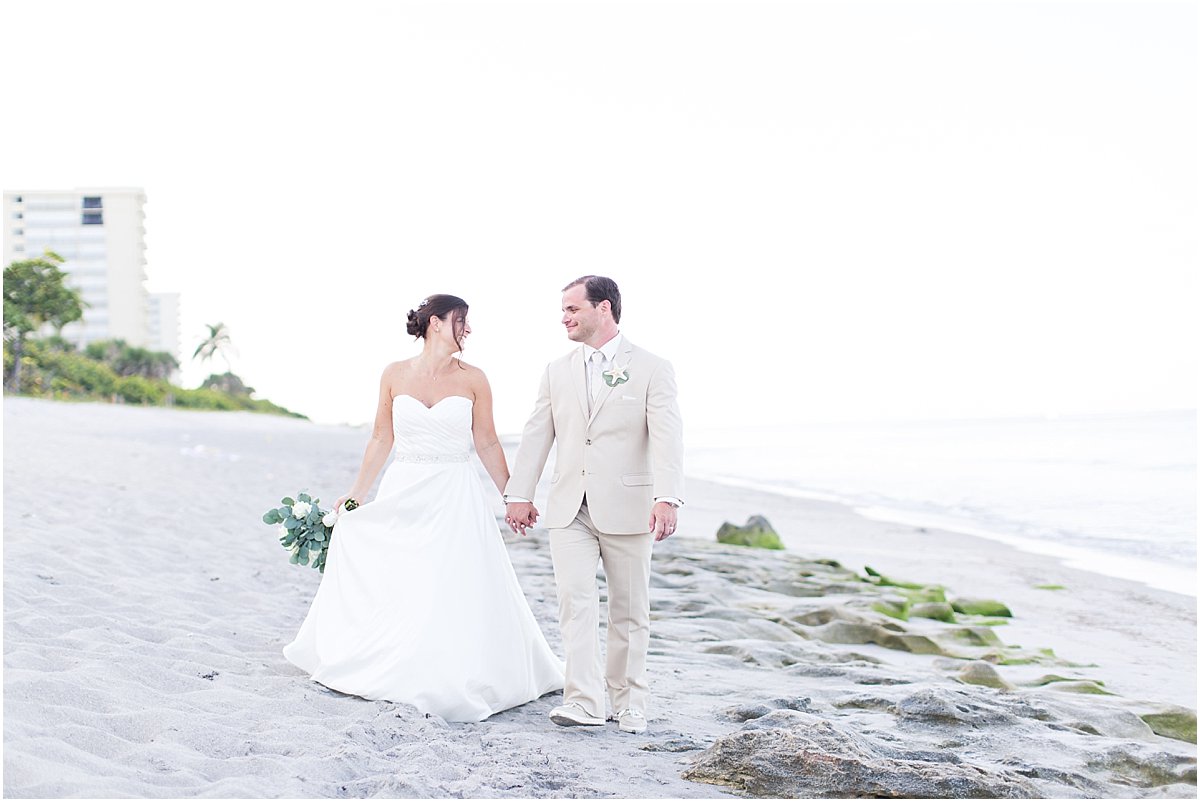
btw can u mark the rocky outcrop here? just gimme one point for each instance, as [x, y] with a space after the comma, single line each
[789, 753]
[757, 532]
[899, 700]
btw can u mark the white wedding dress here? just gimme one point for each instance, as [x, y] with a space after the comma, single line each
[419, 602]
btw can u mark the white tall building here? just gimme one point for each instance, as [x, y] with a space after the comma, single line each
[101, 236]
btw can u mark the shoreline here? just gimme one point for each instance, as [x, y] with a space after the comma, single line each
[1094, 619]
[146, 607]
[1153, 574]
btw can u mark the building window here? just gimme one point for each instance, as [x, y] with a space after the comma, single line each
[19, 248]
[91, 203]
[18, 232]
[18, 199]
[18, 215]
[93, 218]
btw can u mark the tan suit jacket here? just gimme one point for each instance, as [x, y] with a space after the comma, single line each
[628, 452]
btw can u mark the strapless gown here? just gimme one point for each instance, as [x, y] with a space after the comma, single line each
[419, 602]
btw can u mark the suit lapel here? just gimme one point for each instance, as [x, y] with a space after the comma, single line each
[621, 360]
[579, 379]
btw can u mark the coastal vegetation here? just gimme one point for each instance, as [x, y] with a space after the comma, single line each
[37, 299]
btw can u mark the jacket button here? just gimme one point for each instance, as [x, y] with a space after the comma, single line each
[583, 473]
[589, 442]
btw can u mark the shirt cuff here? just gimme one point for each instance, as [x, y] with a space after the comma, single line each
[516, 500]
[669, 500]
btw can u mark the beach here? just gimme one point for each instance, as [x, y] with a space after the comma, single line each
[146, 606]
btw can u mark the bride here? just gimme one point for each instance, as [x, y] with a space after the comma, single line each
[419, 603]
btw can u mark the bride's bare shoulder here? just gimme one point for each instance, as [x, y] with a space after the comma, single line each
[475, 377]
[397, 367]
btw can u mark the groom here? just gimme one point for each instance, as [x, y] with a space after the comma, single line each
[617, 484]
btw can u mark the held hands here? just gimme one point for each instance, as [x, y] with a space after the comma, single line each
[520, 515]
[337, 506]
[664, 518]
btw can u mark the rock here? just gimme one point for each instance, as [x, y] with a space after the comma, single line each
[973, 636]
[1046, 679]
[942, 706]
[879, 579]
[856, 633]
[981, 673]
[1086, 686]
[1176, 722]
[757, 533]
[1144, 767]
[750, 712]
[790, 754]
[938, 611]
[988, 607]
[929, 593]
[680, 744]
[892, 609]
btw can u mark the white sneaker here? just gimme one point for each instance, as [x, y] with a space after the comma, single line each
[573, 715]
[631, 721]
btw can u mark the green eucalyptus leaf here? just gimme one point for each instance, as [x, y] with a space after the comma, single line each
[303, 497]
[287, 501]
[291, 523]
[271, 517]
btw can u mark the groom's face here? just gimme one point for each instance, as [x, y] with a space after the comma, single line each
[580, 318]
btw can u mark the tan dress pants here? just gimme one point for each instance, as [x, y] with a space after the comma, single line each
[626, 558]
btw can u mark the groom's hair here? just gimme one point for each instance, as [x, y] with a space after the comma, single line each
[600, 288]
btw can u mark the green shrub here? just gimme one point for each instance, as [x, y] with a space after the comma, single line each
[137, 390]
[204, 399]
[93, 378]
[52, 367]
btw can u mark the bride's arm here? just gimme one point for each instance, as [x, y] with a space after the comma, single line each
[483, 430]
[378, 447]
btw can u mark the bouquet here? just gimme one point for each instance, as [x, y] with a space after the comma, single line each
[304, 529]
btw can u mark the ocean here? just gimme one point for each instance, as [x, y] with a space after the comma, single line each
[1112, 494]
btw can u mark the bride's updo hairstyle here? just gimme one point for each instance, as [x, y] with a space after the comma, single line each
[449, 308]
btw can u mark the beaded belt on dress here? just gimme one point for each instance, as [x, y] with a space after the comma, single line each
[463, 457]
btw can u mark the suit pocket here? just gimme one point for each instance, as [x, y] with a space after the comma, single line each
[637, 479]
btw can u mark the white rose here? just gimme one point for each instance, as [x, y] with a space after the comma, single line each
[301, 509]
[330, 519]
[283, 530]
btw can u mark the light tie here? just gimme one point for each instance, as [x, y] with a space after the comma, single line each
[595, 380]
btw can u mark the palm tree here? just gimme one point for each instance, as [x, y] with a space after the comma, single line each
[217, 342]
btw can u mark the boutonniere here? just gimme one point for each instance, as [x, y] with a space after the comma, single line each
[616, 376]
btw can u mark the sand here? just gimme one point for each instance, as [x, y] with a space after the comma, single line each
[145, 607]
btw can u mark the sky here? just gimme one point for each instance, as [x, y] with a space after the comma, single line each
[817, 211]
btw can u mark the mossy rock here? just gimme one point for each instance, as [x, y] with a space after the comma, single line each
[984, 607]
[1047, 679]
[938, 611]
[972, 636]
[1178, 723]
[1085, 687]
[877, 578]
[930, 594]
[985, 674]
[757, 533]
[891, 609]
[919, 644]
